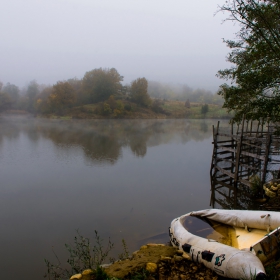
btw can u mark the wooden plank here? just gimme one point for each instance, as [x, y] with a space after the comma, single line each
[225, 141]
[227, 149]
[224, 158]
[259, 138]
[223, 184]
[250, 167]
[224, 180]
[253, 155]
[225, 168]
[222, 194]
[234, 136]
[242, 164]
[222, 153]
[223, 176]
[219, 187]
[225, 172]
[243, 153]
[230, 145]
[245, 182]
[252, 145]
[242, 174]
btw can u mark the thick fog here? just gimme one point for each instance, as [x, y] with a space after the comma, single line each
[169, 41]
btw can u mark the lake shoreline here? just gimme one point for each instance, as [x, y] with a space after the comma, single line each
[98, 117]
[154, 261]
[169, 110]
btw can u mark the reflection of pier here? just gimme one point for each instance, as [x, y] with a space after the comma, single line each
[239, 154]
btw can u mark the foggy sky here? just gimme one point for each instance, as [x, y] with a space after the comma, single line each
[178, 41]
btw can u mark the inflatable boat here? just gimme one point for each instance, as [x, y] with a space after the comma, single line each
[233, 243]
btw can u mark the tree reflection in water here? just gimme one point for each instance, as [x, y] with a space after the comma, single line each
[103, 140]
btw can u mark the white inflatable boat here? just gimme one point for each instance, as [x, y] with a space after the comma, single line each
[233, 243]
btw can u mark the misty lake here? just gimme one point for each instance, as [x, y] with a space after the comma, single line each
[127, 179]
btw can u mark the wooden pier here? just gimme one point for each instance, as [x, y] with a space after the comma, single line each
[241, 153]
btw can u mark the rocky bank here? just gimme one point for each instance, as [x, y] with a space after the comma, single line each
[163, 262]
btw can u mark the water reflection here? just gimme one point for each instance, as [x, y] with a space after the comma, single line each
[225, 198]
[209, 229]
[128, 179]
[103, 140]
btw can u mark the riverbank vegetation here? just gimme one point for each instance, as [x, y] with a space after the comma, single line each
[150, 262]
[101, 94]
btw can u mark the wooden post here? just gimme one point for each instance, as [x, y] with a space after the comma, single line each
[267, 150]
[251, 128]
[213, 163]
[258, 129]
[237, 159]
[232, 156]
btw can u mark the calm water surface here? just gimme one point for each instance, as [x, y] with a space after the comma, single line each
[127, 179]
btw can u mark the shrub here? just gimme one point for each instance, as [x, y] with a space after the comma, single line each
[106, 110]
[82, 256]
[156, 106]
[127, 107]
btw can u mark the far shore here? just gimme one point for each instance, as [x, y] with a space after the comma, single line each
[170, 110]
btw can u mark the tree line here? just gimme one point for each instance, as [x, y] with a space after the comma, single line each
[182, 92]
[102, 86]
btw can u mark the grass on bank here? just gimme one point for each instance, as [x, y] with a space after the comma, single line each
[178, 109]
[83, 255]
[167, 109]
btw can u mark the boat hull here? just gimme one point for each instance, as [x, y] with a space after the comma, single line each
[224, 260]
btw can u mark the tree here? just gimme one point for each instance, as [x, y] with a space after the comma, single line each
[5, 101]
[187, 103]
[204, 109]
[62, 96]
[77, 86]
[100, 83]
[12, 91]
[42, 103]
[255, 55]
[139, 92]
[31, 93]
[157, 106]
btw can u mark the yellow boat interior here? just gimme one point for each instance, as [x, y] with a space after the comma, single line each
[265, 245]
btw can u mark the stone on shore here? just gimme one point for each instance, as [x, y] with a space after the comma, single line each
[151, 267]
[76, 276]
[163, 262]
